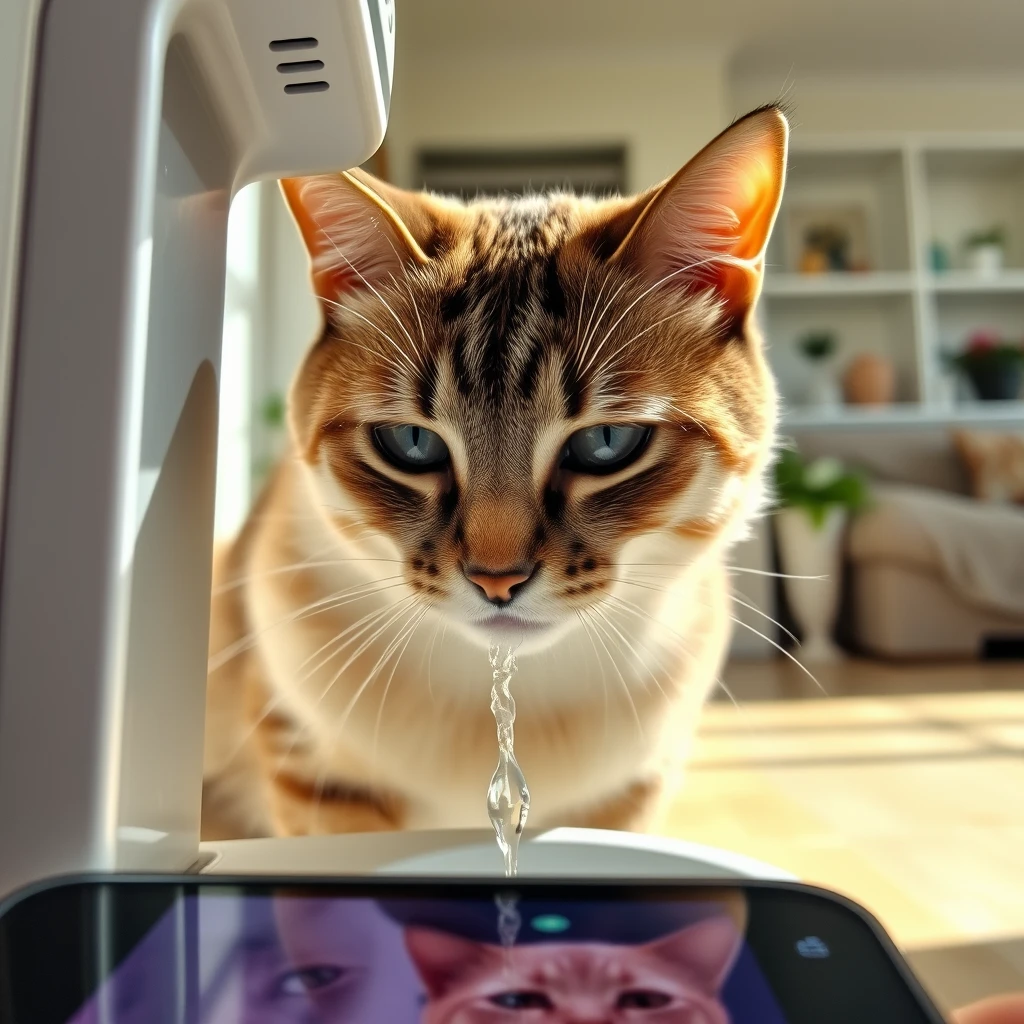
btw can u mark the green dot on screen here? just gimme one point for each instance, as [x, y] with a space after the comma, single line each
[550, 923]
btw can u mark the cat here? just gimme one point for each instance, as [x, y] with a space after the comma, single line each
[540, 421]
[673, 980]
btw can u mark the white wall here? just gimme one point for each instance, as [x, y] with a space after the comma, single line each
[293, 318]
[663, 105]
[836, 103]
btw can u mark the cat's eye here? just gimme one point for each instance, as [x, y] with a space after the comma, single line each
[642, 999]
[605, 448]
[522, 1001]
[308, 979]
[411, 448]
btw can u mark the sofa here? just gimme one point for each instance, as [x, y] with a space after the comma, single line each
[935, 564]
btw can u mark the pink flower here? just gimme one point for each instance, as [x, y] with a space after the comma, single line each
[983, 341]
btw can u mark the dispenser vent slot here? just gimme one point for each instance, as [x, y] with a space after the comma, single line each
[304, 87]
[297, 67]
[303, 43]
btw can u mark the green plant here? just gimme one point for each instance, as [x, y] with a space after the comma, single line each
[987, 351]
[272, 411]
[817, 487]
[994, 235]
[817, 346]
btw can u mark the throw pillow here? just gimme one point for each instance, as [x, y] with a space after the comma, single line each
[994, 463]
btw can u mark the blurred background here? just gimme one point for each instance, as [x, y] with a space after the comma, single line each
[894, 312]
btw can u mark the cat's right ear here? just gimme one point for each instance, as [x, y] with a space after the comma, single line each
[441, 959]
[357, 230]
[708, 949]
[707, 227]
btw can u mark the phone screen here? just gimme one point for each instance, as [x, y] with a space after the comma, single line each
[207, 951]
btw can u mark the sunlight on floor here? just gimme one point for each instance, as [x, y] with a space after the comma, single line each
[912, 804]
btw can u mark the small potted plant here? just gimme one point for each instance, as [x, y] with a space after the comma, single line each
[993, 365]
[985, 250]
[813, 502]
[818, 348]
[271, 416]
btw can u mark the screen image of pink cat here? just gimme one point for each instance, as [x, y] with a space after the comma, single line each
[677, 979]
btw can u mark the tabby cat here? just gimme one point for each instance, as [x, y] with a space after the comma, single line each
[540, 421]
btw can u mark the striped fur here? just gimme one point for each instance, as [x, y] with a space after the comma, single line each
[348, 685]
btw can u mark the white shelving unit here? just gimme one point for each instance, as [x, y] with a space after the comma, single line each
[911, 191]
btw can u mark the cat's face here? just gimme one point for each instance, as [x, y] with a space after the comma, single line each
[513, 391]
[676, 980]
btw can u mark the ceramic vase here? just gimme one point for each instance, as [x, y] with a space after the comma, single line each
[985, 259]
[807, 550]
[823, 389]
[870, 379]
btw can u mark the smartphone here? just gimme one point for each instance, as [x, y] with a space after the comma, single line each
[133, 949]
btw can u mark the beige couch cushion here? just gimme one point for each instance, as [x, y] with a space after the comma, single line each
[888, 532]
[976, 547]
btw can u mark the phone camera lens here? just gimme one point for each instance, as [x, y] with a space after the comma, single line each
[812, 948]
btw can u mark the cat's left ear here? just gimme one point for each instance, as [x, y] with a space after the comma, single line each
[707, 949]
[441, 959]
[359, 231]
[708, 226]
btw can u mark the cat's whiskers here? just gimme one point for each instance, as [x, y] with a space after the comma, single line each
[615, 355]
[730, 568]
[319, 606]
[271, 705]
[367, 622]
[677, 638]
[637, 659]
[600, 665]
[746, 625]
[338, 727]
[428, 659]
[583, 302]
[384, 334]
[690, 418]
[422, 352]
[592, 333]
[599, 630]
[782, 650]
[593, 309]
[354, 656]
[643, 295]
[307, 730]
[775, 575]
[677, 641]
[737, 600]
[355, 270]
[387, 686]
[293, 567]
[757, 611]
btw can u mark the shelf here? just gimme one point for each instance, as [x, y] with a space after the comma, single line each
[964, 281]
[823, 285]
[910, 414]
[890, 283]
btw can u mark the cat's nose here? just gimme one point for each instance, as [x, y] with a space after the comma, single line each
[499, 585]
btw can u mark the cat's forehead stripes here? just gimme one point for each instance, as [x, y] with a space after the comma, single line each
[504, 310]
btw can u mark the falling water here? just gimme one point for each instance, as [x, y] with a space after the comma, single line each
[509, 920]
[508, 798]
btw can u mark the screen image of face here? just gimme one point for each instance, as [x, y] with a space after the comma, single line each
[308, 959]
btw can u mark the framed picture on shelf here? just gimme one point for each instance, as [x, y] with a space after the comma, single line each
[827, 239]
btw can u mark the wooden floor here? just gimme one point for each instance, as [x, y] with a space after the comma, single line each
[904, 789]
